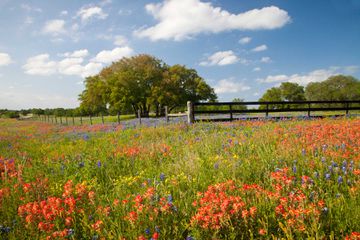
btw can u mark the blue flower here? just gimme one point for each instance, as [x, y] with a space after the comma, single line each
[147, 231]
[99, 163]
[170, 199]
[294, 169]
[327, 176]
[81, 164]
[340, 180]
[162, 176]
[303, 152]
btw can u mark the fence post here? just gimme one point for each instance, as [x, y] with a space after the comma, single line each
[56, 120]
[231, 113]
[139, 116]
[66, 118]
[347, 108]
[118, 117]
[73, 120]
[166, 114]
[80, 119]
[309, 109]
[267, 110]
[90, 119]
[102, 118]
[190, 112]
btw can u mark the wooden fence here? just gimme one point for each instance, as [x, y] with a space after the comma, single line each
[229, 109]
[267, 107]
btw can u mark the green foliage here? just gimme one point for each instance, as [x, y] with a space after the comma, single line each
[143, 82]
[335, 88]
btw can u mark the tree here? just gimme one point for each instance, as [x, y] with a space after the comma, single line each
[335, 88]
[143, 82]
[292, 92]
[179, 85]
[271, 95]
[95, 96]
[239, 107]
[287, 91]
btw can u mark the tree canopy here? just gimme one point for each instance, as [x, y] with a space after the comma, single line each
[335, 88]
[143, 82]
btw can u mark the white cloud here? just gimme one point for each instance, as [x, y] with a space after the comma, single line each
[113, 55]
[105, 2]
[29, 8]
[5, 59]
[91, 69]
[72, 64]
[125, 12]
[28, 20]
[86, 13]
[54, 27]
[265, 60]
[260, 48]
[256, 69]
[120, 40]
[221, 58]
[230, 86]
[179, 20]
[40, 65]
[245, 40]
[304, 79]
[63, 13]
[76, 54]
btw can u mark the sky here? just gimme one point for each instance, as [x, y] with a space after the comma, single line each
[240, 47]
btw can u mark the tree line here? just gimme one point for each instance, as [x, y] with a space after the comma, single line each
[335, 88]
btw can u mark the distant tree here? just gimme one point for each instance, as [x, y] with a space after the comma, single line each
[335, 88]
[292, 92]
[271, 95]
[239, 107]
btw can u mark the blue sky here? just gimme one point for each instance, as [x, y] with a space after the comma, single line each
[240, 47]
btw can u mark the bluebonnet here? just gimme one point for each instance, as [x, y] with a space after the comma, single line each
[99, 163]
[294, 169]
[327, 176]
[170, 199]
[162, 176]
[147, 231]
[86, 137]
[216, 165]
[303, 152]
[81, 164]
[340, 179]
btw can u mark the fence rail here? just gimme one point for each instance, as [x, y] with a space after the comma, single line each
[272, 107]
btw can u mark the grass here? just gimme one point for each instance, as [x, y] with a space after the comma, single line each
[242, 180]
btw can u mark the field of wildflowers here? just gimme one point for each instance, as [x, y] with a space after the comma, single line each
[242, 180]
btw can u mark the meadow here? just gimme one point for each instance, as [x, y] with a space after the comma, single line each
[294, 179]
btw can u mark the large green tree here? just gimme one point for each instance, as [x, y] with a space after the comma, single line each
[335, 88]
[143, 82]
